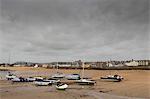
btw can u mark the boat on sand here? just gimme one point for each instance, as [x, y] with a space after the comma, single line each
[43, 83]
[61, 86]
[115, 78]
[10, 76]
[84, 81]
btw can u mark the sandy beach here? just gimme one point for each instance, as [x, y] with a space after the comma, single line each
[136, 85]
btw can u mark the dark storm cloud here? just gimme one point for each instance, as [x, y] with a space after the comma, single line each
[75, 29]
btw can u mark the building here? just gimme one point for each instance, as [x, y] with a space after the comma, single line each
[64, 64]
[115, 64]
[96, 64]
[132, 63]
[138, 63]
[143, 62]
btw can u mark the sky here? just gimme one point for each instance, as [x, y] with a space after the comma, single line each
[69, 30]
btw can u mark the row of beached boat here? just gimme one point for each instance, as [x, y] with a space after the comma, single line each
[56, 79]
[41, 81]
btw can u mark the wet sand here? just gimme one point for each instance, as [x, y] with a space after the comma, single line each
[136, 85]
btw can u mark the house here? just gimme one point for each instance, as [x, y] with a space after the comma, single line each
[64, 64]
[143, 62]
[44, 65]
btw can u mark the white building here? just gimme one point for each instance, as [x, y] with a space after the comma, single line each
[143, 62]
[36, 66]
[110, 65]
[132, 63]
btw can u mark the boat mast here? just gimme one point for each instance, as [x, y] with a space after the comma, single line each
[9, 58]
[82, 70]
[57, 67]
[109, 66]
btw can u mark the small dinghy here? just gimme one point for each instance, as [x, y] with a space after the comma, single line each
[115, 78]
[10, 76]
[85, 82]
[16, 80]
[43, 83]
[61, 86]
[20, 79]
[31, 79]
[54, 81]
[73, 77]
[58, 75]
[38, 78]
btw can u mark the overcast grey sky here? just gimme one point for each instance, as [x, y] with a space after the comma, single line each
[67, 30]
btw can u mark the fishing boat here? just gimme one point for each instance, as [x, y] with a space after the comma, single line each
[43, 83]
[73, 77]
[61, 86]
[84, 81]
[115, 78]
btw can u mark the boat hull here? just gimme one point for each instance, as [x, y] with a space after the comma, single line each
[42, 83]
[73, 77]
[10, 77]
[58, 76]
[111, 79]
[62, 87]
[85, 82]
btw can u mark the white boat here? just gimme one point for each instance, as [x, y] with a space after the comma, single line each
[115, 78]
[58, 75]
[43, 83]
[73, 77]
[20, 79]
[38, 78]
[83, 81]
[10, 76]
[16, 79]
[61, 86]
[31, 79]
[54, 81]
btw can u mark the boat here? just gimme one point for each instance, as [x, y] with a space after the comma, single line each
[20, 79]
[38, 78]
[10, 76]
[31, 79]
[54, 81]
[73, 77]
[84, 81]
[58, 75]
[43, 83]
[16, 79]
[61, 86]
[115, 78]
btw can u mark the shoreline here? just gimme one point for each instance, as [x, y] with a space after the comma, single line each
[8, 68]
